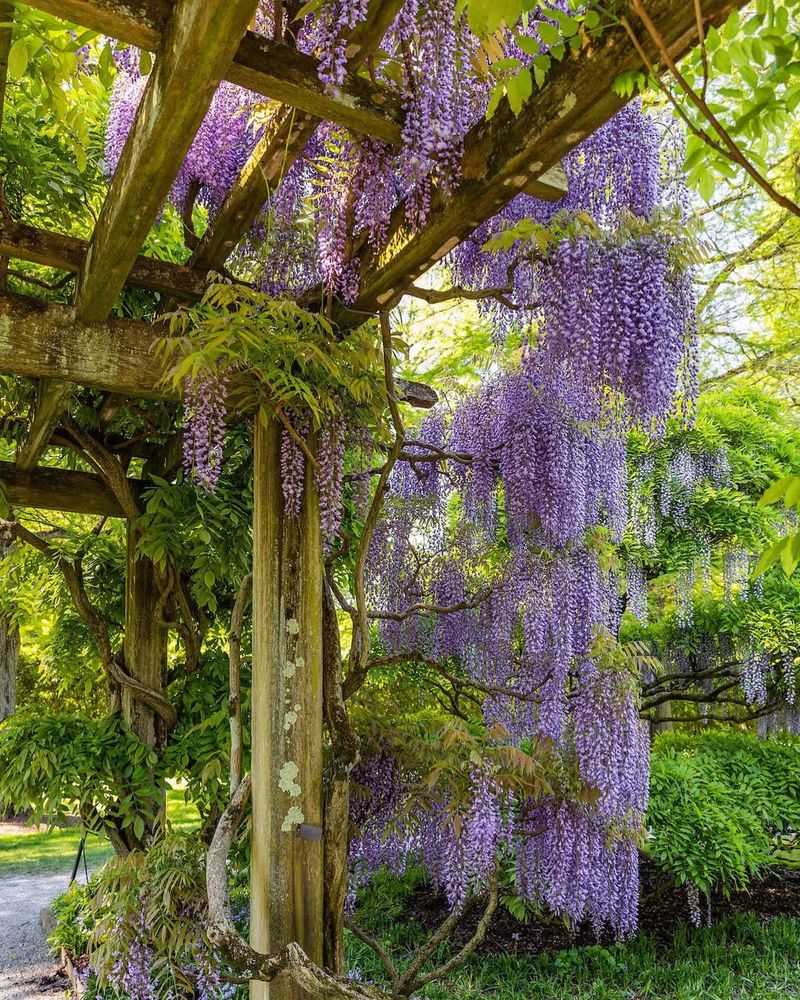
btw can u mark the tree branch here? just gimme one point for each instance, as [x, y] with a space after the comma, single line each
[726, 146]
[234, 681]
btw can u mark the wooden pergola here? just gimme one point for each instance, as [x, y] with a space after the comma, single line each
[198, 43]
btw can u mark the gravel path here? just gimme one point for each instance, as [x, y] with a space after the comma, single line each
[24, 958]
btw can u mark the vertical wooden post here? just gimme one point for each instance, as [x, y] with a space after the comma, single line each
[286, 879]
[145, 643]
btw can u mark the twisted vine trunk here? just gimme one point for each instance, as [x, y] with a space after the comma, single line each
[145, 655]
[145, 644]
[9, 658]
[286, 892]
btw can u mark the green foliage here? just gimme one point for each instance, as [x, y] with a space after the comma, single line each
[295, 358]
[785, 551]
[148, 908]
[762, 442]
[198, 751]
[745, 958]
[207, 535]
[54, 764]
[51, 149]
[754, 91]
[74, 919]
[560, 31]
[720, 802]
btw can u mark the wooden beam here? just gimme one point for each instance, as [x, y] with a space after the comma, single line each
[52, 398]
[282, 142]
[67, 253]
[177, 96]
[45, 341]
[45, 488]
[509, 154]
[267, 67]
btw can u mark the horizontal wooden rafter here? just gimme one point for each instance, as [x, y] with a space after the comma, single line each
[42, 340]
[270, 68]
[508, 154]
[45, 341]
[67, 253]
[47, 488]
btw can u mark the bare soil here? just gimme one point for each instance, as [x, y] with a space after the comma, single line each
[663, 908]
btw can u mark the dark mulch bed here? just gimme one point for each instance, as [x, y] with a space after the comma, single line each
[663, 908]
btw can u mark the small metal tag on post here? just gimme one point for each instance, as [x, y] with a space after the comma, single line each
[309, 832]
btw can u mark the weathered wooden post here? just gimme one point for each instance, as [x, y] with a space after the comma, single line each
[286, 890]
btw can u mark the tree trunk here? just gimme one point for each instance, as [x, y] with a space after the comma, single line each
[145, 644]
[286, 890]
[145, 655]
[9, 657]
[344, 755]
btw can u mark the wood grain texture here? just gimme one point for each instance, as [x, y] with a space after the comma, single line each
[144, 643]
[286, 891]
[267, 67]
[67, 253]
[45, 340]
[52, 398]
[46, 488]
[177, 96]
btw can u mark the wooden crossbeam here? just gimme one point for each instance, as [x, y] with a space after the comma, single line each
[282, 143]
[45, 340]
[46, 488]
[67, 253]
[508, 154]
[176, 99]
[267, 67]
[275, 152]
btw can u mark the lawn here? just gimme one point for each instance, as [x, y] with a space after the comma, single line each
[742, 958]
[55, 850]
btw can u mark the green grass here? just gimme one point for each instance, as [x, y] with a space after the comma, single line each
[741, 959]
[55, 850]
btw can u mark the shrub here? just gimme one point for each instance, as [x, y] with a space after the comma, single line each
[721, 804]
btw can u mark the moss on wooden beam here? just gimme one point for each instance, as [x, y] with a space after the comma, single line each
[46, 488]
[45, 340]
[195, 51]
[510, 154]
[262, 65]
[67, 253]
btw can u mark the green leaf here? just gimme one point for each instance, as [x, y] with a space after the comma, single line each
[549, 34]
[721, 61]
[776, 491]
[145, 62]
[18, 59]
